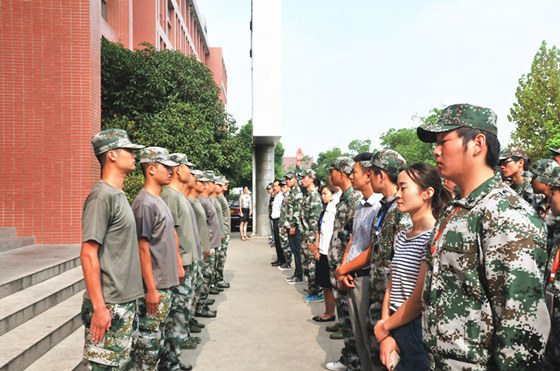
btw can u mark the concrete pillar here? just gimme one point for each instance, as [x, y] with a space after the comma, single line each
[263, 173]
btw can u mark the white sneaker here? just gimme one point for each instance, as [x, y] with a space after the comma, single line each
[336, 366]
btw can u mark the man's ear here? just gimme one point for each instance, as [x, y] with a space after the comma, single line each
[480, 145]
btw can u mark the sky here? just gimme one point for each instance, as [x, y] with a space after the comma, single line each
[355, 69]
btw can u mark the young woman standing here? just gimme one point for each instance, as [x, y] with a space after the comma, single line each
[246, 209]
[421, 194]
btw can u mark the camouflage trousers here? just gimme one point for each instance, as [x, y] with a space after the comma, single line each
[349, 354]
[308, 266]
[196, 268]
[113, 351]
[149, 345]
[285, 243]
[379, 279]
[176, 330]
[221, 260]
[207, 272]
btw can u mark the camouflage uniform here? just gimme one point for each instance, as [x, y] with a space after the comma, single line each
[292, 220]
[113, 352]
[390, 222]
[342, 230]
[483, 299]
[284, 242]
[311, 209]
[552, 352]
[149, 344]
[227, 228]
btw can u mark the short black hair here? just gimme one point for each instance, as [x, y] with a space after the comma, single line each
[391, 174]
[144, 166]
[364, 156]
[102, 158]
[492, 142]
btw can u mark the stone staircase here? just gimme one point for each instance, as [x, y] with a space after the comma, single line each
[41, 288]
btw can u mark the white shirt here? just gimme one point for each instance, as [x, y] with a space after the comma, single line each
[277, 205]
[327, 224]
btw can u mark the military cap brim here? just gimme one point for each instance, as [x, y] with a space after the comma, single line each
[428, 134]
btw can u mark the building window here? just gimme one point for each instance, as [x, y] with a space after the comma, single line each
[104, 9]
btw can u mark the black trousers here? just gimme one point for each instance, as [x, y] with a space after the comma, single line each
[277, 244]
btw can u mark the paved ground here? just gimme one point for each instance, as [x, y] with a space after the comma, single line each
[262, 322]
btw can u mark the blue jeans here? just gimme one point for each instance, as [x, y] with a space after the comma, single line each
[409, 340]
[295, 242]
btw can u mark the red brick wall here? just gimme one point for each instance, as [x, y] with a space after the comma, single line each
[215, 63]
[49, 109]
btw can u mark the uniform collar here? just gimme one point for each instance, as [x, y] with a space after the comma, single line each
[479, 193]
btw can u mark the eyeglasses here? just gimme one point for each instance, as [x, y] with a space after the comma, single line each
[506, 161]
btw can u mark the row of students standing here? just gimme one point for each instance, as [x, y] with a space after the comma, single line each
[149, 268]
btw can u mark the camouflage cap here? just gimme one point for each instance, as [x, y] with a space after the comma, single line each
[290, 175]
[343, 164]
[224, 180]
[180, 158]
[555, 151]
[513, 152]
[269, 186]
[457, 116]
[156, 154]
[199, 176]
[387, 160]
[544, 169]
[112, 139]
[209, 174]
[554, 179]
[310, 173]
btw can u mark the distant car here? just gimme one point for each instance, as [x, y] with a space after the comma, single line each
[235, 218]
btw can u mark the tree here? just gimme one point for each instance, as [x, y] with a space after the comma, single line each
[324, 159]
[536, 114]
[406, 142]
[165, 99]
[358, 146]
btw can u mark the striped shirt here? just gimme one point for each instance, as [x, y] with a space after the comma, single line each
[409, 254]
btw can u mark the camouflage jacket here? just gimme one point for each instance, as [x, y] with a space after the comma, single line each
[311, 209]
[483, 300]
[293, 208]
[226, 214]
[552, 354]
[393, 223]
[525, 190]
[343, 223]
[283, 210]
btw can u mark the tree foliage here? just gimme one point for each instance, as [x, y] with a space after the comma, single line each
[406, 142]
[165, 99]
[324, 159]
[358, 146]
[536, 114]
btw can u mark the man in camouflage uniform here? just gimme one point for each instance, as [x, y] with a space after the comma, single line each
[292, 224]
[542, 171]
[219, 191]
[110, 258]
[159, 250]
[389, 222]
[284, 241]
[311, 209]
[483, 299]
[552, 352]
[213, 196]
[339, 175]
[513, 164]
[177, 327]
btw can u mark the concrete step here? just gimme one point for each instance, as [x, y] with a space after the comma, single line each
[12, 243]
[7, 232]
[30, 265]
[30, 302]
[66, 355]
[26, 343]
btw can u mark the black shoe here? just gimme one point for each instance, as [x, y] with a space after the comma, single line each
[209, 301]
[285, 267]
[195, 329]
[184, 367]
[223, 285]
[213, 291]
[205, 314]
[194, 322]
[275, 263]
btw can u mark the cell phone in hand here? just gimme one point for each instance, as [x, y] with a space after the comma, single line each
[394, 360]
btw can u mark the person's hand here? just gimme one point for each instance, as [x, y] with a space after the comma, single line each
[317, 255]
[348, 281]
[292, 231]
[250, 212]
[386, 348]
[223, 239]
[206, 255]
[240, 213]
[311, 247]
[152, 301]
[100, 323]
[181, 272]
[338, 273]
[380, 331]
[284, 230]
[299, 155]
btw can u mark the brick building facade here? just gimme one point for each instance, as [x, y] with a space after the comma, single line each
[50, 98]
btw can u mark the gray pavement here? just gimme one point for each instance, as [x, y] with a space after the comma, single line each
[262, 322]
